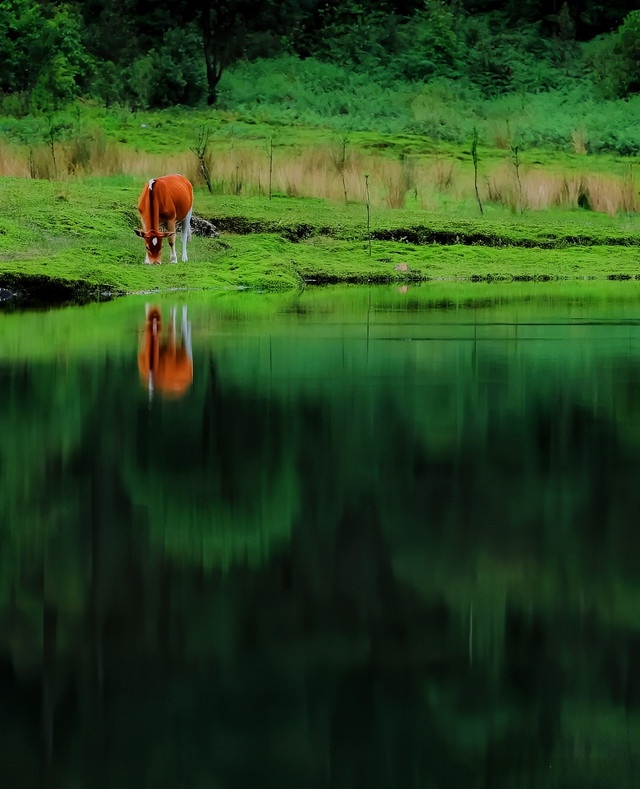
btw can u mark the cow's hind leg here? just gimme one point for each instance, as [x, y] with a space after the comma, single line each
[171, 227]
[185, 232]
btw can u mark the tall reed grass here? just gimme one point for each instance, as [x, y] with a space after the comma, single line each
[319, 172]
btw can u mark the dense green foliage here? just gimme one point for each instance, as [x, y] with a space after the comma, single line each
[177, 52]
[532, 74]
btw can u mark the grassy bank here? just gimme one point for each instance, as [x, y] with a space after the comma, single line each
[316, 173]
[80, 233]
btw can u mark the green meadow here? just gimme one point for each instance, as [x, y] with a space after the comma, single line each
[80, 233]
[299, 199]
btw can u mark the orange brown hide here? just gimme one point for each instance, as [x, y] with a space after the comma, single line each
[165, 202]
[164, 362]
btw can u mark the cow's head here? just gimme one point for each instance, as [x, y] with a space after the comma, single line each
[153, 243]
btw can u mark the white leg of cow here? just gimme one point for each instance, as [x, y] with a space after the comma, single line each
[185, 232]
[171, 238]
[146, 254]
[186, 332]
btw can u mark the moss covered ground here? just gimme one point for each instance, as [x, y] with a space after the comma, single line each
[78, 237]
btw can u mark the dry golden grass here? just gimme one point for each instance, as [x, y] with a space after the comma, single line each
[543, 189]
[502, 187]
[612, 197]
[333, 172]
[13, 161]
[401, 181]
[442, 173]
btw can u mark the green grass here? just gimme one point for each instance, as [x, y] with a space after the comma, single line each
[83, 233]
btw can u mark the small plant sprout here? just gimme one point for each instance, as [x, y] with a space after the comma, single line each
[366, 187]
[474, 157]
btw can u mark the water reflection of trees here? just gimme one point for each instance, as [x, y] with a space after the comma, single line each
[215, 483]
[342, 587]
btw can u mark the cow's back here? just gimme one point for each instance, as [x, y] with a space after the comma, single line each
[171, 194]
[176, 196]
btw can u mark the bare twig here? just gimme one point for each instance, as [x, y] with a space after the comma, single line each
[366, 186]
[474, 156]
[270, 157]
[515, 158]
[201, 150]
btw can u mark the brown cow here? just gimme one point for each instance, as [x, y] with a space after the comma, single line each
[165, 201]
[165, 364]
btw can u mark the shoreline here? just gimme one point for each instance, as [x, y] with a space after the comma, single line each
[24, 291]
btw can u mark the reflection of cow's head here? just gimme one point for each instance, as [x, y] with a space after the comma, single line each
[164, 361]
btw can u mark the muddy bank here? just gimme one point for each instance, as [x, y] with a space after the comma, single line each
[26, 290]
[421, 235]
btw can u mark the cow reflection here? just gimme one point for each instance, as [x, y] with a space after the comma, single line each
[165, 360]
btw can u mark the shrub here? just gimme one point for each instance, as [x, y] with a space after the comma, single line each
[107, 84]
[428, 44]
[171, 74]
[42, 53]
[614, 59]
[179, 75]
[289, 89]
[138, 82]
[444, 110]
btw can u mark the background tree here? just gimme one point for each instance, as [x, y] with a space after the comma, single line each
[42, 51]
[615, 59]
[177, 51]
[234, 29]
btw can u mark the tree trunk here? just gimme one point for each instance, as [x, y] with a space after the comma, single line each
[211, 57]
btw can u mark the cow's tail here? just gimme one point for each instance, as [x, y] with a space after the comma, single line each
[154, 206]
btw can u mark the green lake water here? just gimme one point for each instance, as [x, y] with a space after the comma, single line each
[374, 537]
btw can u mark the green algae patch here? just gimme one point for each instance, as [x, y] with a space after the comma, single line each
[75, 240]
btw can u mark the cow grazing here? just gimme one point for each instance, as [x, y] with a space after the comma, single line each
[165, 364]
[165, 202]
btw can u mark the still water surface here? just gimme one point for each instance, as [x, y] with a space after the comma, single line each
[346, 538]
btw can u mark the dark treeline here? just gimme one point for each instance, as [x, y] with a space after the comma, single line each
[138, 54]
